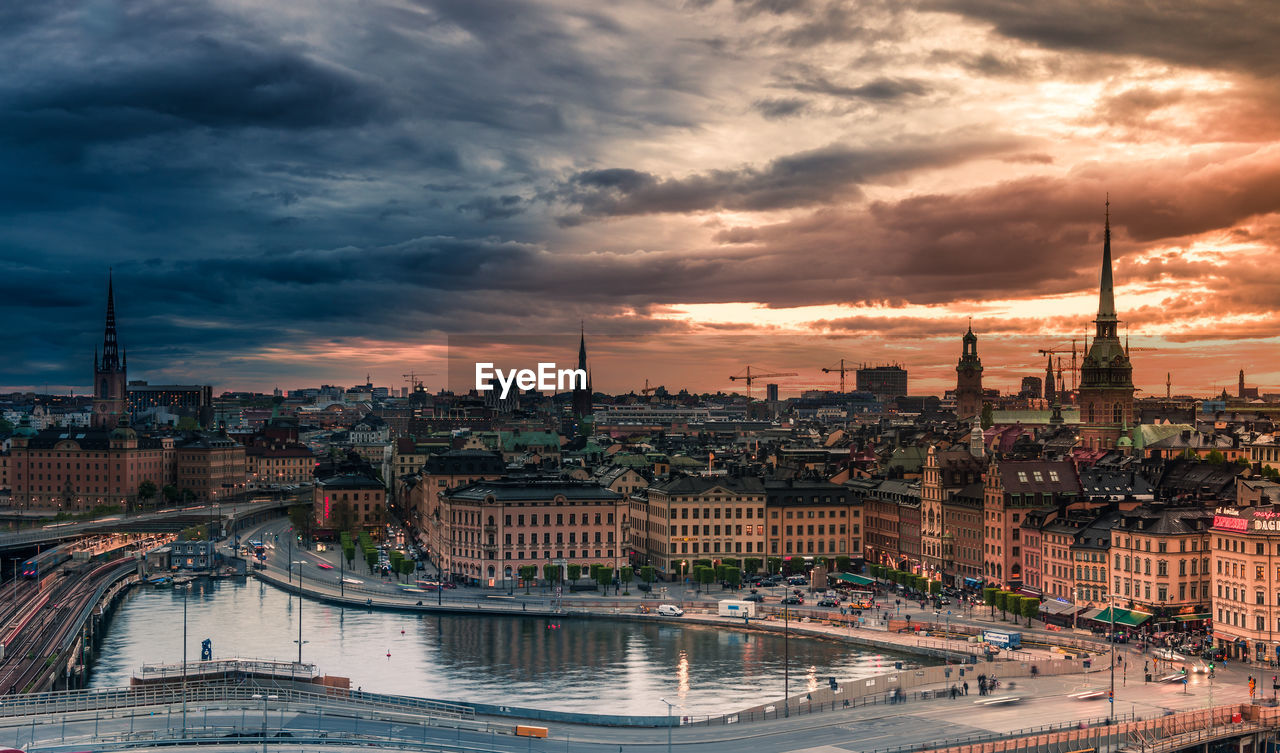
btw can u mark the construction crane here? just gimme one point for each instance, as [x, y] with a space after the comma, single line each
[1063, 349]
[415, 383]
[648, 390]
[842, 369]
[750, 378]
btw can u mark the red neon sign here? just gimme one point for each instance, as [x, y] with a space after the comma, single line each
[1230, 524]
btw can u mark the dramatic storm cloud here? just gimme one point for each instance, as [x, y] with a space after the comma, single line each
[296, 194]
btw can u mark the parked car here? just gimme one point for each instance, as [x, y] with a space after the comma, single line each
[793, 601]
[670, 610]
[642, 586]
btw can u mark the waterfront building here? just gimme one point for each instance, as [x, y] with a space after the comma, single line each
[491, 528]
[74, 470]
[812, 518]
[679, 520]
[440, 473]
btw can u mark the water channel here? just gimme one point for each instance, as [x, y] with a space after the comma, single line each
[584, 665]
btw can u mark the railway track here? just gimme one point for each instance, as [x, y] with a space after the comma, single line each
[40, 627]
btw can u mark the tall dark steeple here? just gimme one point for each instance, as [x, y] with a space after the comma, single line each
[582, 410]
[1106, 375]
[110, 346]
[1050, 388]
[110, 383]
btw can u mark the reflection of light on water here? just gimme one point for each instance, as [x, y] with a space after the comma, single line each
[682, 675]
[811, 679]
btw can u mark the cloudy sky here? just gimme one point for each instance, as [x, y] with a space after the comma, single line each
[292, 194]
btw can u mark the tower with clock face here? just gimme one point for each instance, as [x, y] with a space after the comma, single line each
[969, 378]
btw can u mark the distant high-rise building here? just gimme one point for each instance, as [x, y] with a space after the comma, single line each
[1106, 376]
[1031, 388]
[885, 382]
[194, 400]
[109, 380]
[771, 393]
[969, 378]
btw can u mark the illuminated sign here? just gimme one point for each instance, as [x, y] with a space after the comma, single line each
[1230, 524]
[326, 507]
[1266, 525]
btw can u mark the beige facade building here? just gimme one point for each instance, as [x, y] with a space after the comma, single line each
[1160, 563]
[697, 517]
[493, 528]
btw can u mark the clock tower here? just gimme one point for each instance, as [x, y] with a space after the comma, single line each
[969, 378]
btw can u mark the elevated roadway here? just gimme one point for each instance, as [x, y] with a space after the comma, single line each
[159, 521]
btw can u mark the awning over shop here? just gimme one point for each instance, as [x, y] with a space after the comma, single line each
[1091, 614]
[857, 580]
[1055, 607]
[1191, 617]
[1123, 617]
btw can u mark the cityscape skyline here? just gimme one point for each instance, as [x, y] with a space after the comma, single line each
[782, 184]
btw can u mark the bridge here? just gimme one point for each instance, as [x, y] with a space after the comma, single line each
[233, 517]
[250, 715]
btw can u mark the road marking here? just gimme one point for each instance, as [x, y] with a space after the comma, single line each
[820, 749]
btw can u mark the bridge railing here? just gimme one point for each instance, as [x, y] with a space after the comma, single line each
[102, 699]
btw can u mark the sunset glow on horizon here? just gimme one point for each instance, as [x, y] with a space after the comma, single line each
[291, 197]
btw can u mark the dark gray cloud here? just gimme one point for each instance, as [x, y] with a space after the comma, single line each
[831, 174]
[811, 80]
[1237, 35]
[777, 108]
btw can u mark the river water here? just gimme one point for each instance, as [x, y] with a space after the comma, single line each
[583, 665]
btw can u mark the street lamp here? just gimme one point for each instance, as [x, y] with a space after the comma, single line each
[786, 662]
[669, 705]
[300, 642]
[1111, 696]
[185, 589]
[264, 699]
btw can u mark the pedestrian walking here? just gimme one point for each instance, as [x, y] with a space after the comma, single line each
[966, 687]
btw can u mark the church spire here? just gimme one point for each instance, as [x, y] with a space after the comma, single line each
[1106, 292]
[110, 347]
[582, 346]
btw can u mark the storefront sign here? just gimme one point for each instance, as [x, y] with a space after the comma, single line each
[1225, 523]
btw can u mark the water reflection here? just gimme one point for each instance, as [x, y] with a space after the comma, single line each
[570, 664]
